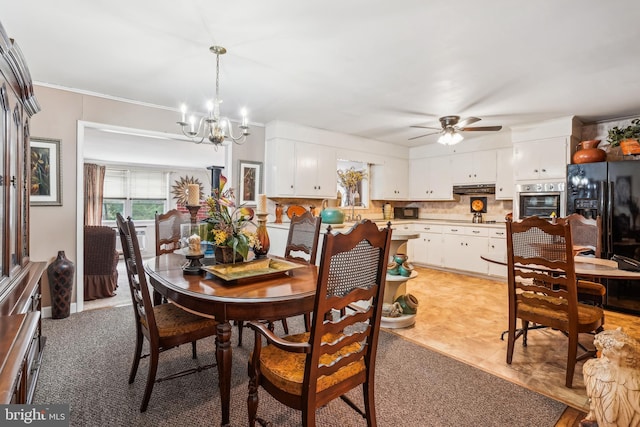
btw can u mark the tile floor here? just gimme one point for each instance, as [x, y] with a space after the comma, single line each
[464, 316]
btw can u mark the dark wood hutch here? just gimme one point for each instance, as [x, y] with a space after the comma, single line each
[21, 341]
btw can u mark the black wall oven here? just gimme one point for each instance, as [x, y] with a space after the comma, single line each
[540, 199]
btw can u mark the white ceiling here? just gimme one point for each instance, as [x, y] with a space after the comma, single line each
[364, 67]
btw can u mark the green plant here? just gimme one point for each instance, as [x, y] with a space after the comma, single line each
[228, 221]
[616, 134]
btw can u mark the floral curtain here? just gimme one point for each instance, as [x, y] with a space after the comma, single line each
[93, 191]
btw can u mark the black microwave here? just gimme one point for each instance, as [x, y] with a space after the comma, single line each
[405, 213]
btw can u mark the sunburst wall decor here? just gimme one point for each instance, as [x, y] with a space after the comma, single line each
[179, 189]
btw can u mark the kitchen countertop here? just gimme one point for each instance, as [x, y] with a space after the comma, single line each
[379, 221]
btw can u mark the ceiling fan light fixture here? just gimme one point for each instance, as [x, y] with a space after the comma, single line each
[450, 137]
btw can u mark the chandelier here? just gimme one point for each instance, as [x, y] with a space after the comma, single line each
[213, 127]
[450, 136]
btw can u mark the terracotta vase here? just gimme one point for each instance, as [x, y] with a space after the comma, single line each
[630, 146]
[226, 255]
[263, 238]
[588, 152]
[60, 274]
[278, 213]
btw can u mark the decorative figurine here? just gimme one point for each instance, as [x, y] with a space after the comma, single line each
[613, 381]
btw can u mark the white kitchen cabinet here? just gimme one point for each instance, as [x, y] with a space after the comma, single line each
[477, 167]
[428, 248]
[430, 178]
[497, 245]
[504, 174]
[280, 168]
[300, 169]
[463, 247]
[540, 160]
[390, 181]
[316, 168]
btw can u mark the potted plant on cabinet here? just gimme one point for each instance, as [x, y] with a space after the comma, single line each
[625, 137]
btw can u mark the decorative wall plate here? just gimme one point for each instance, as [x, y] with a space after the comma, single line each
[179, 189]
[295, 209]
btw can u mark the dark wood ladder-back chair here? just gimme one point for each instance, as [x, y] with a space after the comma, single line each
[542, 286]
[302, 246]
[165, 326]
[587, 234]
[168, 230]
[306, 371]
[100, 262]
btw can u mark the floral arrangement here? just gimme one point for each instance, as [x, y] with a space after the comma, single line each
[350, 178]
[228, 221]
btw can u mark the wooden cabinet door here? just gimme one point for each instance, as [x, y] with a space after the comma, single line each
[280, 168]
[543, 159]
[504, 174]
[440, 178]
[390, 181]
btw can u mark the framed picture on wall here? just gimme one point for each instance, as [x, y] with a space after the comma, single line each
[250, 182]
[45, 172]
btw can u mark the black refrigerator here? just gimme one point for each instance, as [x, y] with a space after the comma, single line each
[611, 190]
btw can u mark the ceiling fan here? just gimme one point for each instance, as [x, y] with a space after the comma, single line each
[450, 128]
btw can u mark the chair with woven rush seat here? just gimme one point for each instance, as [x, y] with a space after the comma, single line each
[168, 230]
[542, 286]
[302, 246]
[165, 326]
[308, 370]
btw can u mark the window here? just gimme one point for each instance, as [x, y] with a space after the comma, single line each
[361, 196]
[135, 193]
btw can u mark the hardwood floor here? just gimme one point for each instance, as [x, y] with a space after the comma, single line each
[464, 316]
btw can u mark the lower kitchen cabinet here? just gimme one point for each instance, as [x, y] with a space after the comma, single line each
[497, 245]
[427, 249]
[463, 247]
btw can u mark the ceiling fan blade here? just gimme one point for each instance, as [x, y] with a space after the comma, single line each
[482, 128]
[426, 127]
[469, 120]
[421, 136]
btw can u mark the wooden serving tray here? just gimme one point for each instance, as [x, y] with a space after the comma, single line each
[244, 272]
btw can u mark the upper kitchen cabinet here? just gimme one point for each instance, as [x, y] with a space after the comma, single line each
[390, 181]
[300, 169]
[430, 178]
[280, 168]
[478, 167]
[540, 160]
[504, 174]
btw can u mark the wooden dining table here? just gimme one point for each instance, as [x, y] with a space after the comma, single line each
[585, 267]
[271, 298]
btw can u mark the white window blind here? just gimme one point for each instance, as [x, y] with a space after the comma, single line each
[115, 184]
[148, 185]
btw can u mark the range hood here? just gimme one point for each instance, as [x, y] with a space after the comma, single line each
[474, 189]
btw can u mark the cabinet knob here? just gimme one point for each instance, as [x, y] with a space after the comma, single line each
[14, 181]
[535, 170]
[544, 170]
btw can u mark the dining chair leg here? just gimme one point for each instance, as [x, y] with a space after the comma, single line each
[151, 378]
[571, 359]
[194, 351]
[240, 324]
[307, 322]
[511, 340]
[252, 398]
[285, 326]
[136, 357]
[369, 404]
[525, 330]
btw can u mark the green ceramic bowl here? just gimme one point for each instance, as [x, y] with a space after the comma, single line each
[332, 216]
